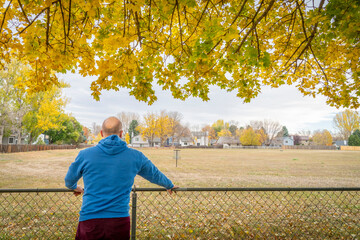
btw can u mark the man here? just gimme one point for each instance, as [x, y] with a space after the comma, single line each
[108, 171]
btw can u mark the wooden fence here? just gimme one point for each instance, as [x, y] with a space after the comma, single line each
[13, 148]
[350, 148]
[312, 147]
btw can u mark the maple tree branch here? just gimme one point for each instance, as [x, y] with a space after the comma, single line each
[32, 21]
[47, 27]
[302, 18]
[293, 18]
[257, 42]
[172, 16]
[236, 17]
[255, 24]
[20, 32]
[23, 11]
[124, 18]
[181, 40]
[2, 23]
[64, 27]
[322, 69]
[198, 22]
[138, 27]
[238, 14]
[149, 16]
[68, 32]
[309, 40]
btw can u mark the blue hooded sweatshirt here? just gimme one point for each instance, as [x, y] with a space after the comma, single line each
[108, 171]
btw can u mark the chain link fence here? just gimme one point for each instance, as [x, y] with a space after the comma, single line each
[194, 213]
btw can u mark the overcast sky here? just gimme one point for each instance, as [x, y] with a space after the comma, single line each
[285, 105]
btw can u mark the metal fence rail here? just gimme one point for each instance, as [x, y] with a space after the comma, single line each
[194, 213]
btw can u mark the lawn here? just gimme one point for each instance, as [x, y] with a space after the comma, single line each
[202, 168]
[198, 215]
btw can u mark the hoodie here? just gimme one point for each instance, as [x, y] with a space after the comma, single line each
[108, 172]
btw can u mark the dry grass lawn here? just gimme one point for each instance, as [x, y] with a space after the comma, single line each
[202, 168]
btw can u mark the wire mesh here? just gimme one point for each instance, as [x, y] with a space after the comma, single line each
[43, 215]
[195, 214]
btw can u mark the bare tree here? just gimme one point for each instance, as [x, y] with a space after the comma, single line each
[95, 128]
[256, 125]
[126, 118]
[176, 127]
[184, 131]
[270, 127]
[303, 132]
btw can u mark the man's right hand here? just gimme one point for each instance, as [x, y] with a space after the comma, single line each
[173, 189]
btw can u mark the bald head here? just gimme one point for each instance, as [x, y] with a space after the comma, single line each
[111, 126]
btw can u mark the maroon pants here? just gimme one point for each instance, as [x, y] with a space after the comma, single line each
[104, 228]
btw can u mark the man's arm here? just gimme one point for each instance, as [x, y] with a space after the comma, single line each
[74, 173]
[151, 173]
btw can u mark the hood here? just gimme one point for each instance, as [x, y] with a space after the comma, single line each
[112, 145]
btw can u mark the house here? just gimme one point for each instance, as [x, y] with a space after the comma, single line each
[139, 141]
[201, 138]
[186, 141]
[171, 141]
[282, 141]
[156, 142]
[340, 143]
[228, 142]
[288, 141]
[304, 140]
[13, 138]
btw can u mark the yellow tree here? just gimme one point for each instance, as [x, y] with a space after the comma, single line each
[186, 46]
[211, 132]
[46, 111]
[224, 133]
[163, 127]
[97, 139]
[148, 127]
[262, 136]
[127, 138]
[34, 112]
[347, 122]
[249, 138]
[322, 138]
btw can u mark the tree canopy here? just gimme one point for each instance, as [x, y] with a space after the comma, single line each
[24, 112]
[186, 46]
[354, 139]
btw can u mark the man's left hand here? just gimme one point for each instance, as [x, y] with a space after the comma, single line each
[78, 191]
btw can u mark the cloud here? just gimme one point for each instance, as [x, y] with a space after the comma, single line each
[285, 105]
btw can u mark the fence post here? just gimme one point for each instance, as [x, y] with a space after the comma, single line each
[133, 214]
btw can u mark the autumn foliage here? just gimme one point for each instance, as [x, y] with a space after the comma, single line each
[186, 46]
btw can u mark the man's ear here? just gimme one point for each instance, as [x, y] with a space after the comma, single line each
[101, 132]
[121, 133]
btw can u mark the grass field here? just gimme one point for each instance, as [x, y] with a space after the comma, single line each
[198, 215]
[202, 168]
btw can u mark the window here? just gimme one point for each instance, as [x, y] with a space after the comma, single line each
[185, 143]
[11, 140]
[136, 139]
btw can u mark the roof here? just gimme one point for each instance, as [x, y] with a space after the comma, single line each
[186, 139]
[200, 134]
[228, 140]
